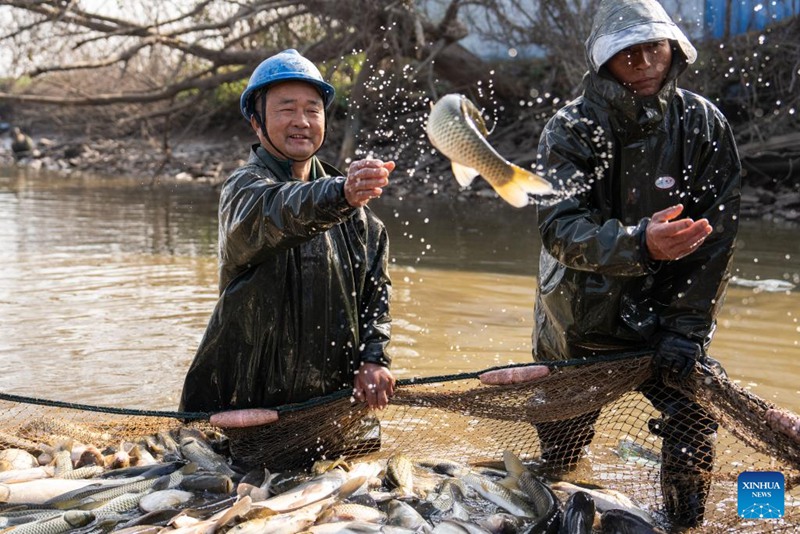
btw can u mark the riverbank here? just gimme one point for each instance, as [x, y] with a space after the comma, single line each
[211, 159]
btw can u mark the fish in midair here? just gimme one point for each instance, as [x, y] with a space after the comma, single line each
[457, 130]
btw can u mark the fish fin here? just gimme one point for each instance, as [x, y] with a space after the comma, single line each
[464, 175]
[473, 114]
[531, 182]
[189, 468]
[510, 482]
[523, 183]
[514, 466]
[350, 487]
[240, 508]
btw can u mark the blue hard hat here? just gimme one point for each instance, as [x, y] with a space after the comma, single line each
[282, 67]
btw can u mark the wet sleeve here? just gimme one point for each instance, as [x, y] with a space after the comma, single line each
[572, 230]
[259, 215]
[375, 321]
[697, 283]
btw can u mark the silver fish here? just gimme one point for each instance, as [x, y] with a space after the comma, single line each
[121, 503]
[140, 529]
[88, 471]
[544, 500]
[351, 512]
[499, 495]
[41, 491]
[455, 127]
[163, 499]
[308, 492]
[400, 474]
[402, 514]
[24, 475]
[288, 523]
[20, 517]
[12, 459]
[63, 464]
[356, 527]
[64, 522]
[450, 492]
[204, 456]
[93, 495]
[606, 499]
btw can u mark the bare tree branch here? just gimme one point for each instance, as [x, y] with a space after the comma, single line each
[204, 83]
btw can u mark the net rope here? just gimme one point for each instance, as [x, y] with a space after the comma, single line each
[459, 418]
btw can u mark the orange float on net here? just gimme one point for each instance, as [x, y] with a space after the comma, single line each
[244, 418]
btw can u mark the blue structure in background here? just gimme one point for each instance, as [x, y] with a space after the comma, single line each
[724, 18]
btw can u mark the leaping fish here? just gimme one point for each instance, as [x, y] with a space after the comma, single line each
[457, 130]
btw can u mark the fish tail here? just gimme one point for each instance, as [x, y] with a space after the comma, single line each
[522, 183]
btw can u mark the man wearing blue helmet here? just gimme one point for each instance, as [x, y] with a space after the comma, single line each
[304, 289]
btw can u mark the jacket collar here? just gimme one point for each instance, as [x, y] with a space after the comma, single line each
[282, 168]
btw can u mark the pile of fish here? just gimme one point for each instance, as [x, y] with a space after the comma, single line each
[177, 481]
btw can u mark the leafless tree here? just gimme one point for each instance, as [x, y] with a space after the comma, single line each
[165, 55]
[164, 60]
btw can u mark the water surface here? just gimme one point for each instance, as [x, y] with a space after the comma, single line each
[106, 286]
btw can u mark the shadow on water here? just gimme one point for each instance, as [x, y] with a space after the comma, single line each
[111, 282]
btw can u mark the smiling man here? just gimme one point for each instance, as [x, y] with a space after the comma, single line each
[304, 289]
[639, 257]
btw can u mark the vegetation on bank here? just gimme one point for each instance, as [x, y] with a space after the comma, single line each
[170, 82]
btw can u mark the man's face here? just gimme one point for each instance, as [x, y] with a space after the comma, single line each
[295, 119]
[642, 68]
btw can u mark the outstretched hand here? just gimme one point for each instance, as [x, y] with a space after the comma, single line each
[365, 180]
[374, 384]
[668, 239]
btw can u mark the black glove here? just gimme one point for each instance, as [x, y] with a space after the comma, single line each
[676, 354]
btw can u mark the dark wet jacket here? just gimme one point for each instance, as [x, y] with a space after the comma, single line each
[304, 291]
[628, 158]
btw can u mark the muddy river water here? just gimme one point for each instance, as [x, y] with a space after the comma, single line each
[106, 286]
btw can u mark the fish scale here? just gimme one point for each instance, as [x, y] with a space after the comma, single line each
[499, 495]
[65, 522]
[101, 495]
[454, 132]
[400, 473]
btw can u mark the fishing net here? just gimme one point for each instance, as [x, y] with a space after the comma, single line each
[604, 421]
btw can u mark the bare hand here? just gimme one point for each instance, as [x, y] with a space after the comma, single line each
[366, 179]
[672, 240]
[374, 384]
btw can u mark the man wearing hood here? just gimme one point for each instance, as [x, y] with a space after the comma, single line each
[638, 256]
